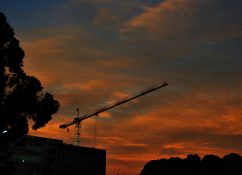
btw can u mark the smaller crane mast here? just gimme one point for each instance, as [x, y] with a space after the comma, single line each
[77, 121]
[77, 128]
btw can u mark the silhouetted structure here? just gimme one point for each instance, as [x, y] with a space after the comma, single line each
[77, 120]
[43, 156]
[231, 164]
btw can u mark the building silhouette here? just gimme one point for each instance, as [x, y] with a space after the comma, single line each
[44, 156]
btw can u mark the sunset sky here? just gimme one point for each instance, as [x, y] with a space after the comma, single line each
[88, 53]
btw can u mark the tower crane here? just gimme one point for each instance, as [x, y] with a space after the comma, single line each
[77, 121]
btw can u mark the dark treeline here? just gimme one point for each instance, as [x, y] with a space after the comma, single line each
[230, 164]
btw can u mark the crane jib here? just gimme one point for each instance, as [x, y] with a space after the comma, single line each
[114, 104]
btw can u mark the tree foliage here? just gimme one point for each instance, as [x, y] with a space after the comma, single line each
[21, 96]
[230, 164]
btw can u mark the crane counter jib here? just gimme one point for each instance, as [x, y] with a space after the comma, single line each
[114, 104]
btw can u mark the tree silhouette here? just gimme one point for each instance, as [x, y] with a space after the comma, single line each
[231, 164]
[21, 96]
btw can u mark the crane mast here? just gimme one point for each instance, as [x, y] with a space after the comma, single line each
[77, 121]
[77, 128]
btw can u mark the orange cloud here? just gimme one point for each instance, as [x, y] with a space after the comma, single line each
[183, 20]
[162, 20]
